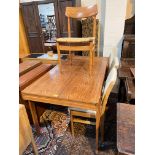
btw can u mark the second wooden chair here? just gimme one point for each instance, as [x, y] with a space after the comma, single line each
[78, 44]
[76, 113]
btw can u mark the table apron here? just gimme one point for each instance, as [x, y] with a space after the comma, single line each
[56, 101]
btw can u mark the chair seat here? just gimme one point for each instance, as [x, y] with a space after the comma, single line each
[82, 110]
[76, 40]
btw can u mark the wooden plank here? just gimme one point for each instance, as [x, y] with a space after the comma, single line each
[33, 75]
[126, 128]
[127, 62]
[130, 88]
[27, 66]
[124, 72]
[133, 71]
[74, 48]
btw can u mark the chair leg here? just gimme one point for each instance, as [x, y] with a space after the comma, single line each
[93, 55]
[72, 126]
[70, 57]
[34, 146]
[90, 62]
[59, 56]
[102, 129]
[97, 131]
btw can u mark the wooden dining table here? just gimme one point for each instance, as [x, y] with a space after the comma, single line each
[73, 86]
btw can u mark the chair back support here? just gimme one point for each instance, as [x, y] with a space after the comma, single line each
[82, 12]
[110, 82]
[115, 63]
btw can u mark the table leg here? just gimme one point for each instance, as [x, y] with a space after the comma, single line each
[34, 145]
[34, 116]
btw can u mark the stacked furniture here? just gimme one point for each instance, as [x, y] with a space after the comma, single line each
[71, 44]
[30, 71]
[126, 70]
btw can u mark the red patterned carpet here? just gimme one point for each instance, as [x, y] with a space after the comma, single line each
[56, 138]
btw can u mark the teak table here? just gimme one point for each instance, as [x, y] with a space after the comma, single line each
[72, 87]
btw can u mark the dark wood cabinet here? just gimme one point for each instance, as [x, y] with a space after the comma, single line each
[75, 28]
[33, 26]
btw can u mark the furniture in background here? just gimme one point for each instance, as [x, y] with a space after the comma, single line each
[128, 80]
[130, 26]
[125, 129]
[79, 44]
[27, 66]
[128, 50]
[21, 56]
[44, 58]
[71, 88]
[35, 14]
[125, 74]
[32, 70]
[25, 132]
[78, 112]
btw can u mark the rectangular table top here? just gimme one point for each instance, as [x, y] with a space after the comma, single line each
[126, 128]
[27, 66]
[73, 84]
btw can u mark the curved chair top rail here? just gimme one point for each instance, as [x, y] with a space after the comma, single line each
[81, 12]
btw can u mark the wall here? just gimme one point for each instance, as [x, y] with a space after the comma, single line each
[130, 9]
[91, 2]
[23, 44]
[111, 23]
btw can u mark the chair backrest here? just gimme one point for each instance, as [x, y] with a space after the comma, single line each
[112, 55]
[82, 12]
[110, 82]
[115, 63]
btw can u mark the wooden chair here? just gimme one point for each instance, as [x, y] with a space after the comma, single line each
[78, 44]
[25, 131]
[115, 63]
[75, 112]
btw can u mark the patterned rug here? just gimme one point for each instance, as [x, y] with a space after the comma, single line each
[56, 138]
[53, 126]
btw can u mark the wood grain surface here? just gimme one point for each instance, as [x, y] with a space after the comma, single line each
[25, 131]
[126, 128]
[27, 66]
[74, 82]
[130, 88]
[133, 71]
[32, 75]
